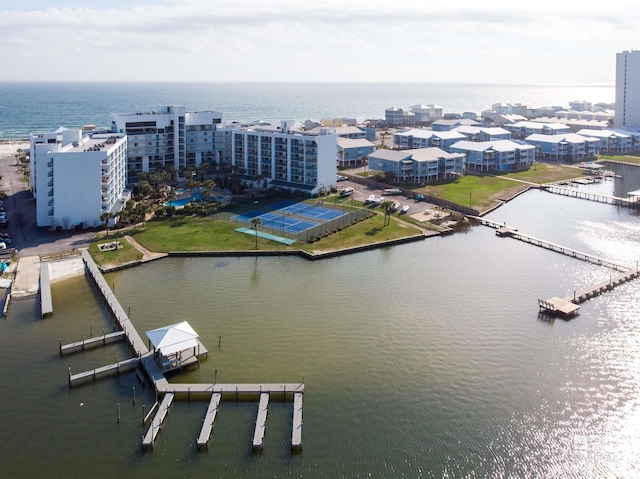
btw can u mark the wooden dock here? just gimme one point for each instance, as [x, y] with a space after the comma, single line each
[261, 422]
[580, 296]
[214, 392]
[559, 306]
[209, 419]
[156, 424]
[117, 367]
[568, 306]
[296, 431]
[504, 230]
[85, 343]
[122, 319]
[585, 195]
[46, 304]
[233, 391]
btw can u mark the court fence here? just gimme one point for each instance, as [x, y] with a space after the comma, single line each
[315, 233]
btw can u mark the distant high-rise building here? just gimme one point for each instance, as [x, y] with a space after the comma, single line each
[628, 90]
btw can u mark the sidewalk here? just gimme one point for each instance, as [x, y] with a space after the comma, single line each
[27, 281]
[146, 254]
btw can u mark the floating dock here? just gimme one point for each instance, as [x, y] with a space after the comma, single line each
[46, 304]
[85, 343]
[209, 419]
[296, 431]
[156, 424]
[261, 422]
[117, 367]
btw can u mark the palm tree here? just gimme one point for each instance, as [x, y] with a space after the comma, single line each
[387, 205]
[255, 222]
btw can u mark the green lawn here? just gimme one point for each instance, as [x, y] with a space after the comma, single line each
[187, 233]
[369, 231]
[542, 173]
[484, 191]
[207, 234]
[126, 254]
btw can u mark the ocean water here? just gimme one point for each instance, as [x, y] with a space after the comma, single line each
[41, 106]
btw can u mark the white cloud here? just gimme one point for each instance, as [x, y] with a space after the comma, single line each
[281, 40]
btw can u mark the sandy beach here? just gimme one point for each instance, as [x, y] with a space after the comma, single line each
[8, 148]
[64, 269]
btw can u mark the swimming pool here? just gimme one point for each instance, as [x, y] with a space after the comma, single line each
[183, 201]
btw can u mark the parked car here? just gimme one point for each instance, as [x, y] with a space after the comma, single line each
[419, 197]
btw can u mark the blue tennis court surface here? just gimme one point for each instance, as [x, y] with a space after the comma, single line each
[277, 221]
[313, 211]
[282, 217]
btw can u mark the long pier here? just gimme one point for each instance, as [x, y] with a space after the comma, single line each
[585, 195]
[506, 230]
[567, 306]
[133, 338]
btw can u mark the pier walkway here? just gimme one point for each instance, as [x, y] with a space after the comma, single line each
[585, 195]
[261, 422]
[117, 367]
[506, 230]
[296, 431]
[567, 306]
[46, 305]
[84, 343]
[209, 419]
[135, 341]
[156, 423]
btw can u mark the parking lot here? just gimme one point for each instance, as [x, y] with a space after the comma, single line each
[20, 214]
[362, 192]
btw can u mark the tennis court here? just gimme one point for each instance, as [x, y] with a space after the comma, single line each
[313, 210]
[277, 221]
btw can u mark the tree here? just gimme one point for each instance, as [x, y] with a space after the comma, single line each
[387, 205]
[105, 217]
[255, 222]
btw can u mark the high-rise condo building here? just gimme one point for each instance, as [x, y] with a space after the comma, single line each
[628, 90]
[169, 137]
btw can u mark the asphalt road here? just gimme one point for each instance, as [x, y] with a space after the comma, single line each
[20, 207]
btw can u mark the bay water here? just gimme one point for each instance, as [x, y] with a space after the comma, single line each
[423, 360]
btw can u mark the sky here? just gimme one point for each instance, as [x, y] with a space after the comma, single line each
[483, 42]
